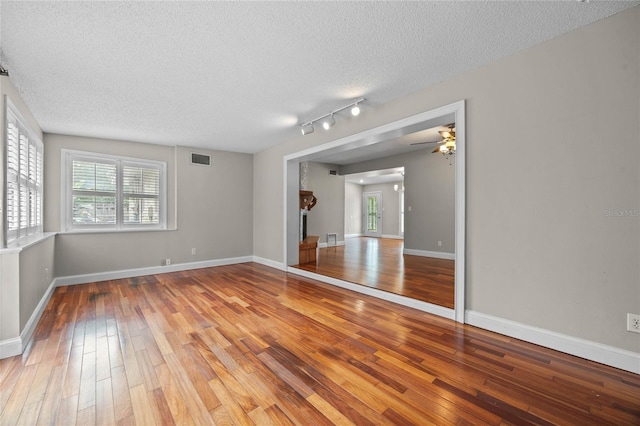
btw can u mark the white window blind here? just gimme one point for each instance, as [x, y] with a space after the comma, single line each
[113, 193]
[24, 188]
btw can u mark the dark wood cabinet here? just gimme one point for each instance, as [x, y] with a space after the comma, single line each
[308, 250]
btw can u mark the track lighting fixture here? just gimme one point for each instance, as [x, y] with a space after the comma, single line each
[328, 120]
[308, 128]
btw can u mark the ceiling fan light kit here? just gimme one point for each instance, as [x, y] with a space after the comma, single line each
[328, 120]
[447, 144]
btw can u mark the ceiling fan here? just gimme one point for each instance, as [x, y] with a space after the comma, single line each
[448, 139]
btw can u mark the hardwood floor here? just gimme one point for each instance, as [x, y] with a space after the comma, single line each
[247, 344]
[379, 263]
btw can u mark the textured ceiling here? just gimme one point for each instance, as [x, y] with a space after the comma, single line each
[240, 76]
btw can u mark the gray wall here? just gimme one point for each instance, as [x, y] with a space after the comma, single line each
[429, 202]
[552, 146]
[209, 209]
[37, 270]
[328, 214]
[353, 208]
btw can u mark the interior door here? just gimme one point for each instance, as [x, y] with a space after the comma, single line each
[372, 208]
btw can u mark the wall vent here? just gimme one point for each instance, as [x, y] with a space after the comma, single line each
[200, 159]
[333, 172]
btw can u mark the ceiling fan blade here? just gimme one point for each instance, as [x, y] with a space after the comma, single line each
[425, 143]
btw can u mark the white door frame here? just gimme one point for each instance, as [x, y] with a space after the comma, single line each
[368, 137]
[365, 214]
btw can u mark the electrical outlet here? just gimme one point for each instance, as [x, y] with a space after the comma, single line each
[193, 251]
[439, 243]
[168, 261]
[633, 323]
[163, 262]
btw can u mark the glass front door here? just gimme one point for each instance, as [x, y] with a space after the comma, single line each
[372, 214]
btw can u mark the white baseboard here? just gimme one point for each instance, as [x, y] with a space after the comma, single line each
[352, 235]
[150, 270]
[425, 253]
[270, 263]
[10, 347]
[325, 245]
[393, 237]
[604, 354]
[384, 295]
[16, 345]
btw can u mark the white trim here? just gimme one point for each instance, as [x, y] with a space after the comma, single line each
[352, 236]
[425, 253]
[604, 354]
[325, 245]
[393, 237]
[16, 345]
[380, 294]
[30, 327]
[460, 211]
[10, 347]
[68, 156]
[26, 242]
[270, 263]
[150, 270]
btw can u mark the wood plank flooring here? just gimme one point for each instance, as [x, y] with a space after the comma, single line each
[379, 263]
[250, 345]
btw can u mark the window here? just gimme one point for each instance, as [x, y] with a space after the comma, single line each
[24, 179]
[104, 192]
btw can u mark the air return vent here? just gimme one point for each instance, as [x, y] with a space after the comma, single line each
[333, 172]
[200, 159]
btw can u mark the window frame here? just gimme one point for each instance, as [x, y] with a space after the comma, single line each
[32, 180]
[120, 162]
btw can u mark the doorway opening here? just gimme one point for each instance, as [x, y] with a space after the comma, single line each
[376, 140]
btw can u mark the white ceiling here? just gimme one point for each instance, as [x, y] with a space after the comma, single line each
[241, 76]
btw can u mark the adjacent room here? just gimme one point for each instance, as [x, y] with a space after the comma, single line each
[278, 213]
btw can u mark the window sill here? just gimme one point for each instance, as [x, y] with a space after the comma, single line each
[113, 231]
[18, 246]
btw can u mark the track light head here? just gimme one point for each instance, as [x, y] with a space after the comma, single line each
[328, 122]
[355, 111]
[307, 128]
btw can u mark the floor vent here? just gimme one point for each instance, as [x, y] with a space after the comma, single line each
[200, 159]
